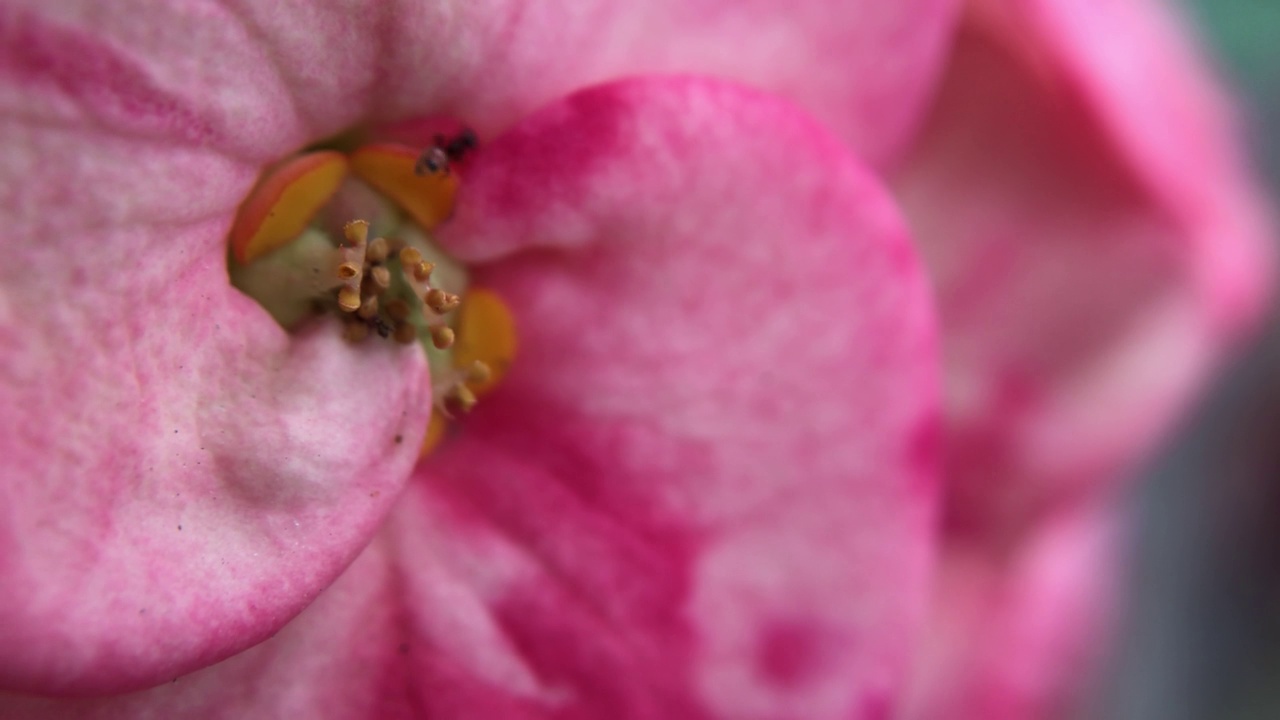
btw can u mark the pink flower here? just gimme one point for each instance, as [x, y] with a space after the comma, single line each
[1082, 206]
[703, 490]
[708, 485]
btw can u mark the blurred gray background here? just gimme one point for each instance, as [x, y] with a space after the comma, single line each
[1202, 622]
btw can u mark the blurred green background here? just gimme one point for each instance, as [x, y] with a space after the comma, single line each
[1201, 637]
[1246, 37]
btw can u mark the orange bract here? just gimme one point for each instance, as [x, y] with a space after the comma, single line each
[284, 201]
[389, 169]
[486, 333]
[435, 432]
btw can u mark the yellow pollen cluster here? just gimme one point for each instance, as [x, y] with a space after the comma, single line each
[365, 279]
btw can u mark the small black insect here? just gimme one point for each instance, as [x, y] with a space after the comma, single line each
[433, 160]
[381, 327]
[436, 158]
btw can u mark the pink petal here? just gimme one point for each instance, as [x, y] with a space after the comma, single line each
[1080, 201]
[863, 66]
[695, 496]
[180, 476]
[1019, 636]
[262, 78]
[340, 658]
[704, 488]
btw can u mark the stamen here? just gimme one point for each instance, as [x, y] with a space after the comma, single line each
[483, 353]
[441, 336]
[417, 274]
[351, 270]
[466, 399]
[348, 271]
[356, 232]
[455, 387]
[378, 250]
[479, 372]
[410, 256]
[349, 299]
[440, 301]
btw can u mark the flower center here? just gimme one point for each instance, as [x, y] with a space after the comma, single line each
[349, 235]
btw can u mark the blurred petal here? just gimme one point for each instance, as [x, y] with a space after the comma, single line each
[866, 68]
[1094, 241]
[262, 79]
[180, 476]
[1018, 636]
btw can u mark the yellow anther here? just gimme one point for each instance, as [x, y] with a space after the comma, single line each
[348, 271]
[465, 398]
[356, 232]
[479, 373]
[349, 299]
[435, 299]
[441, 336]
[380, 276]
[351, 270]
[410, 257]
[485, 348]
[379, 250]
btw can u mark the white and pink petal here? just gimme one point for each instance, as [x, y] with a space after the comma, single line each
[705, 488]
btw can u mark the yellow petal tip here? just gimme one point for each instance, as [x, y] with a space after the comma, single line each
[486, 334]
[435, 433]
[284, 201]
[389, 169]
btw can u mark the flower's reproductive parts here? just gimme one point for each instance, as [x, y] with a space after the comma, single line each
[348, 235]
